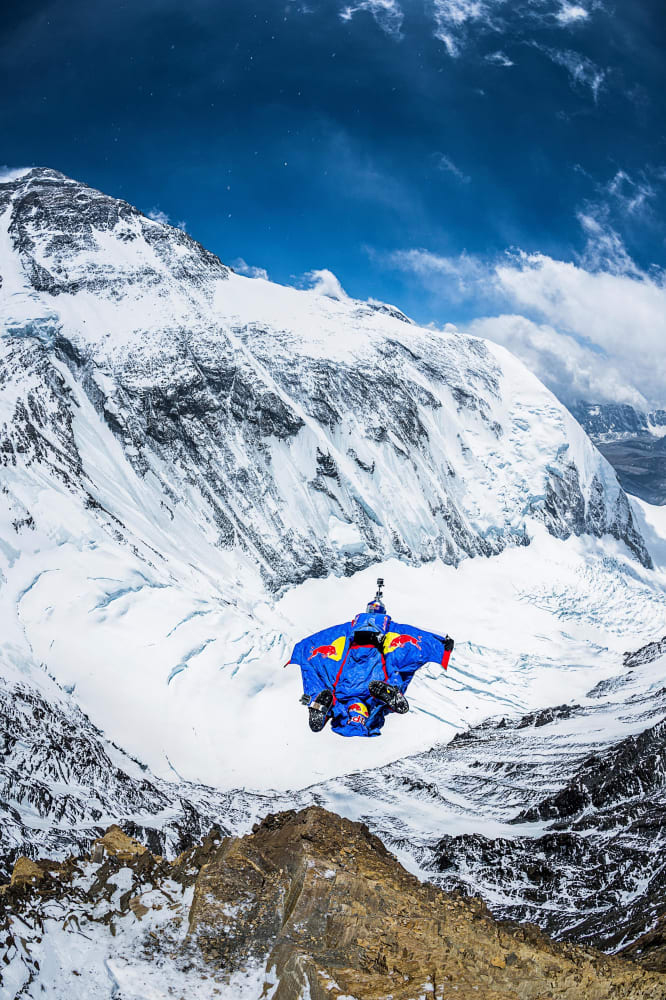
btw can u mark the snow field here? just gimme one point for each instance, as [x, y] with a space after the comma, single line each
[198, 690]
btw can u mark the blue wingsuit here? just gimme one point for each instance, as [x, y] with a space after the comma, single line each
[332, 659]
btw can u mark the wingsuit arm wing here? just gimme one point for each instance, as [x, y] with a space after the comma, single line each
[319, 657]
[409, 648]
[448, 649]
[436, 648]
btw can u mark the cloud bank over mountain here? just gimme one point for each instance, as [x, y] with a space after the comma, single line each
[592, 328]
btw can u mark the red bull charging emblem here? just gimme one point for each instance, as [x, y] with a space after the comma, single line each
[398, 641]
[332, 651]
[322, 651]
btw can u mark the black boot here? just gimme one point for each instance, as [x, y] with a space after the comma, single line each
[389, 695]
[319, 710]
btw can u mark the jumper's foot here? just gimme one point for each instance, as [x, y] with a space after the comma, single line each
[390, 696]
[319, 710]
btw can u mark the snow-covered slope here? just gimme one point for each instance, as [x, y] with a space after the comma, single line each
[297, 434]
[191, 464]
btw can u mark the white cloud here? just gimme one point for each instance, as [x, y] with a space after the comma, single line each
[446, 164]
[499, 59]
[387, 13]
[570, 13]
[452, 278]
[571, 369]
[456, 21]
[632, 195]
[452, 17]
[12, 173]
[604, 249]
[157, 215]
[582, 71]
[617, 317]
[249, 270]
[592, 329]
[324, 282]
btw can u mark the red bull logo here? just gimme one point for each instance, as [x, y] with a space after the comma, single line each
[322, 651]
[358, 712]
[398, 641]
[331, 650]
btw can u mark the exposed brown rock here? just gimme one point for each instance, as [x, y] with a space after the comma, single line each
[26, 872]
[330, 911]
[119, 845]
[317, 907]
[137, 907]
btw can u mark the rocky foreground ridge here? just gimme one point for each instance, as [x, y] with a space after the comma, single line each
[308, 905]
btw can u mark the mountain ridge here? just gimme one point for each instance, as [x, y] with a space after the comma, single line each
[307, 905]
[67, 242]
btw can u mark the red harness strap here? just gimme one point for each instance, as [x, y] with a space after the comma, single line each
[359, 645]
[339, 674]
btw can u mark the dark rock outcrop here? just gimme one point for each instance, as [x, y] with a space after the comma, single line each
[313, 900]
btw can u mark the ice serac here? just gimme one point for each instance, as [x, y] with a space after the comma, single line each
[304, 434]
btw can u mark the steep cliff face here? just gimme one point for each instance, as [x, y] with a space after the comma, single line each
[306, 434]
[309, 905]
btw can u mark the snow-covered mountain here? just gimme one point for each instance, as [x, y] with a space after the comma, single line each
[634, 443]
[194, 463]
[618, 421]
[295, 433]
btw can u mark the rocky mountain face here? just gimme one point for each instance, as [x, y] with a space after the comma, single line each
[633, 442]
[62, 783]
[309, 904]
[273, 415]
[650, 948]
[614, 421]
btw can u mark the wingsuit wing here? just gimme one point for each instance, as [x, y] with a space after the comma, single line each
[320, 656]
[407, 648]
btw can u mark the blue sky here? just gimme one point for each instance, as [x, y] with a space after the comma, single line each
[406, 145]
